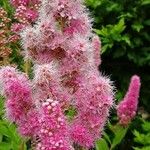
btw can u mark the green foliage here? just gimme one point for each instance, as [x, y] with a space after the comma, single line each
[146, 126]
[142, 138]
[119, 134]
[10, 140]
[123, 26]
[1, 106]
[112, 34]
[109, 142]
[144, 148]
[9, 137]
[70, 113]
[6, 5]
[102, 145]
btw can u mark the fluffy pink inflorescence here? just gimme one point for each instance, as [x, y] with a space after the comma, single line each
[26, 13]
[17, 27]
[17, 3]
[17, 90]
[48, 38]
[93, 102]
[127, 108]
[53, 132]
[66, 56]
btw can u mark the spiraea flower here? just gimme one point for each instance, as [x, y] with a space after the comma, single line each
[93, 102]
[66, 55]
[19, 103]
[26, 14]
[26, 11]
[17, 3]
[53, 132]
[127, 108]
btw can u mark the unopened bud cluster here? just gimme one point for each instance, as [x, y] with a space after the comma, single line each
[127, 108]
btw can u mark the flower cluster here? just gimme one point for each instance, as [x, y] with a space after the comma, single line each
[19, 105]
[26, 13]
[53, 130]
[93, 102]
[127, 108]
[66, 56]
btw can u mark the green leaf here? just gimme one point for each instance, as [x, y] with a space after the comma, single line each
[1, 137]
[1, 106]
[103, 31]
[102, 145]
[5, 146]
[9, 130]
[126, 15]
[105, 47]
[107, 137]
[70, 113]
[93, 3]
[112, 7]
[4, 130]
[119, 133]
[146, 126]
[112, 33]
[147, 22]
[141, 138]
[137, 26]
[126, 38]
[143, 148]
[145, 2]
[118, 28]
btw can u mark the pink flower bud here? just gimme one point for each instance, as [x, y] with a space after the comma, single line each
[127, 108]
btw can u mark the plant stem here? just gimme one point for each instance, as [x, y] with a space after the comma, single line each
[27, 67]
[5, 61]
[21, 146]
